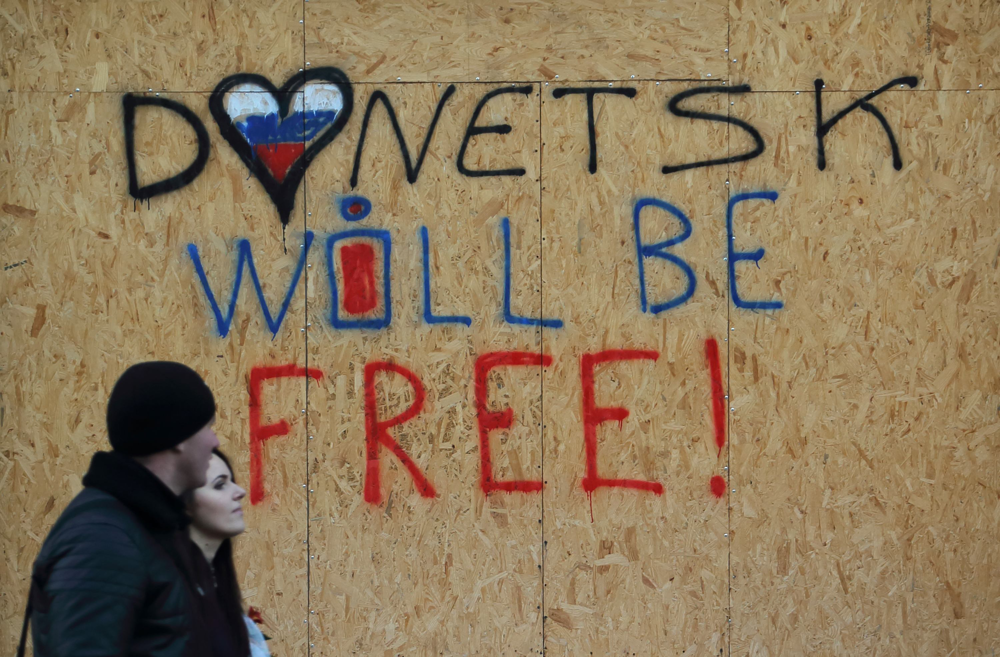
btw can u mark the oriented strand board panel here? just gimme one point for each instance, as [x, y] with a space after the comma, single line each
[631, 570]
[787, 44]
[104, 45]
[466, 41]
[810, 453]
[442, 569]
[92, 282]
[865, 420]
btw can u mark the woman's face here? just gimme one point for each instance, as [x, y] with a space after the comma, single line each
[216, 507]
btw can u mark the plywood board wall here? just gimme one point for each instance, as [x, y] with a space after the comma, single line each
[100, 288]
[627, 569]
[457, 572]
[866, 479]
[827, 485]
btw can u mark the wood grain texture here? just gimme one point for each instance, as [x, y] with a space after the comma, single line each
[114, 46]
[628, 569]
[786, 45]
[119, 287]
[862, 448]
[461, 572]
[864, 452]
[461, 41]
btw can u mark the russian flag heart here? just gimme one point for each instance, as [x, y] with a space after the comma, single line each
[278, 132]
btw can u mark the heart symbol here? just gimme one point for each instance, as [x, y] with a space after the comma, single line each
[278, 132]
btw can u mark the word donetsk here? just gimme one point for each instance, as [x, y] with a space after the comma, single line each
[377, 428]
[359, 272]
[277, 140]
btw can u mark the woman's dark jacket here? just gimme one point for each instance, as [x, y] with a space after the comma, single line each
[114, 575]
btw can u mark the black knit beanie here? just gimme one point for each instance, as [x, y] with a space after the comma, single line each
[155, 406]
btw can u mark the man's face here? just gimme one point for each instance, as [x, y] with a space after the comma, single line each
[196, 452]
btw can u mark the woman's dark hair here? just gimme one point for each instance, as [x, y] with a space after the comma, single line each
[227, 586]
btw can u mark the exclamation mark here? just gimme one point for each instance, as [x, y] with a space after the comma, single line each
[717, 483]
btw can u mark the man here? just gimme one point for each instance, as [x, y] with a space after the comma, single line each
[113, 576]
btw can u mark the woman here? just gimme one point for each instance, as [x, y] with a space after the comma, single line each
[216, 517]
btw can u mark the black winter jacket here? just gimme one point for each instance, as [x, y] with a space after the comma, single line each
[114, 575]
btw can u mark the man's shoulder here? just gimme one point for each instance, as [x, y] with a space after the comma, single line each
[93, 513]
[92, 504]
[96, 546]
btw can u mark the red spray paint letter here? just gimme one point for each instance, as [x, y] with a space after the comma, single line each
[377, 431]
[717, 483]
[492, 420]
[259, 434]
[594, 416]
[358, 264]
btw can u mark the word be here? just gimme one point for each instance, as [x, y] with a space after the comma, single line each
[378, 436]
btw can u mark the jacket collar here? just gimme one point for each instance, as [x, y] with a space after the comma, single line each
[140, 490]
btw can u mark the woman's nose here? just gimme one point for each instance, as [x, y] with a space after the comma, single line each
[239, 494]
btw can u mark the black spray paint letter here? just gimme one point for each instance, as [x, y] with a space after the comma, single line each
[675, 109]
[628, 92]
[500, 129]
[412, 170]
[823, 128]
[185, 177]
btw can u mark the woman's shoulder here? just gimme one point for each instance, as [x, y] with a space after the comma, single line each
[258, 644]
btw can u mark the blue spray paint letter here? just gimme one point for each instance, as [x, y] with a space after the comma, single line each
[508, 316]
[245, 257]
[753, 256]
[658, 250]
[365, 323]
[429, 315]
